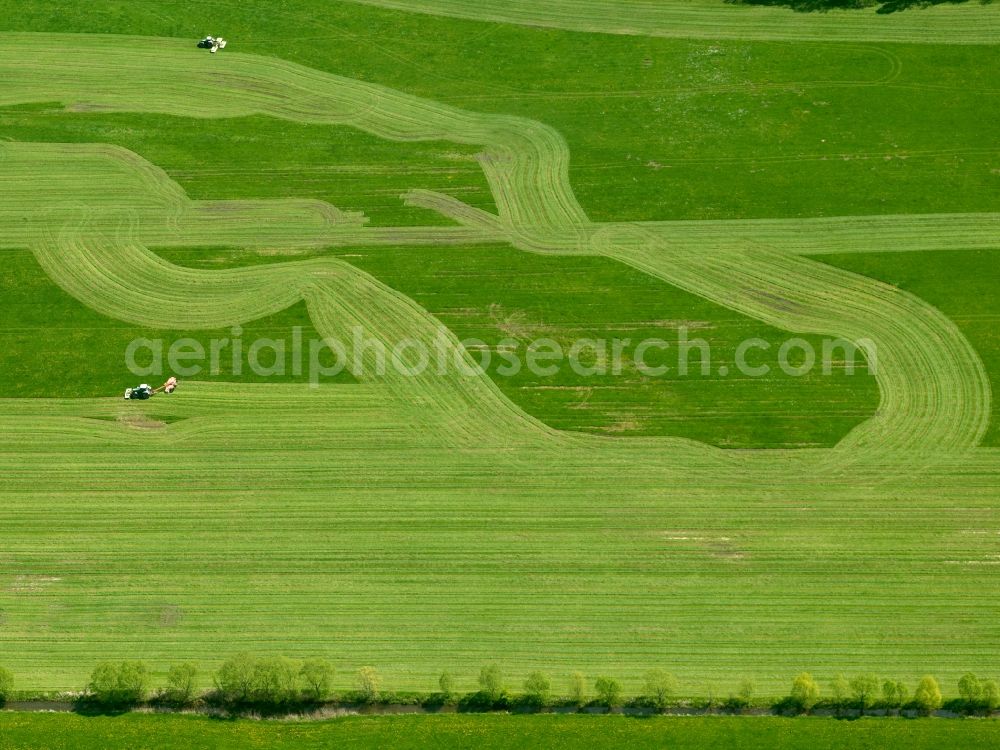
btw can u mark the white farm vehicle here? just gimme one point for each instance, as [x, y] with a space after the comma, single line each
[212, 43]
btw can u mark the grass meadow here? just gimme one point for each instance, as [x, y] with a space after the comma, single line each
[718, 527]
[55, 731]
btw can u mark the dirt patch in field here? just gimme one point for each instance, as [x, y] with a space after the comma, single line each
[88, 107]
[515, 323]
[723, 549]
[170, 616]
[245, 83]
[720, 547]
[678, 324]
[579, 388]
[622, 425]
[993, 560]
[215, 208]
[141, 422]
[456, 156]
[774, 301]
[31, 584]
[285, 251]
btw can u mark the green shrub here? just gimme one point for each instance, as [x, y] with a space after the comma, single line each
[578, 688]
[743, 696]
[902, 693]
[990, 695]
[181, 683]
[491, 682]
[119, 684]
[865, 688]
[446, 684]
[6, 685]
[894, 693]
[927, 696]
[712, 699]
[660, 688]
[235, 679]
[275, 681]
[245, 679]
[369, 684]
[316, 675]
[609, 691]
[971, 690]
[537, 689]
[805, 692]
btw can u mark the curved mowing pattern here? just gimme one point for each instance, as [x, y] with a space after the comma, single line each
[422, 524]
[934, 387]
[971, 23]
[935, 394]
[120, 278]
[947, 404]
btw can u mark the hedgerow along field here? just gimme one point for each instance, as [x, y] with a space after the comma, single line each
[441, 523]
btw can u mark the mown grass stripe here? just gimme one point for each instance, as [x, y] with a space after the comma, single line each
[969, 23]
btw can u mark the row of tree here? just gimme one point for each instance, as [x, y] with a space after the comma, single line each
[865, 690]
[247, 680]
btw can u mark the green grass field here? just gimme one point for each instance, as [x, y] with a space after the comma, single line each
[810, 175]
[24, 731]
